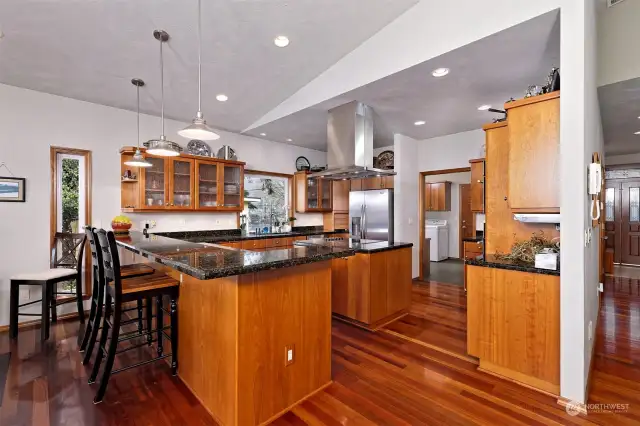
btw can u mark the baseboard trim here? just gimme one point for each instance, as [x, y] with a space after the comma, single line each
[36, 323]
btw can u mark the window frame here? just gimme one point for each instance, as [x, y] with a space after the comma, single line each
[280, 175]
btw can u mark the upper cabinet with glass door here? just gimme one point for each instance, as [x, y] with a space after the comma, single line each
[312, 194]
[186, 183]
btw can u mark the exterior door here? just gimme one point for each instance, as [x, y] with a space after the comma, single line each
[612, 216]
[630, 222]
[466, 216]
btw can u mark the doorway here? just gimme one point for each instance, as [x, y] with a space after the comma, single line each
[622, 218]
[70, 208]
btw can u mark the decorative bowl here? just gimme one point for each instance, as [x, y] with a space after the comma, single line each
[120, 228]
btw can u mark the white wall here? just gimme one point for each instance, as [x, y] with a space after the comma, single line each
[451, 151]
[618, 35]
[30, 122]
[405, 199]
[453, 215]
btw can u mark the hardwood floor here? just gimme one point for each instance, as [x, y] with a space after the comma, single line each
[379, 379]
[438, 317]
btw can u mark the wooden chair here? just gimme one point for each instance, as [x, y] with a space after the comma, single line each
[119, 291]
[67, 258]
[97, 297]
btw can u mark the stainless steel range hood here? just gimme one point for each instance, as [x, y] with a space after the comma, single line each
[350, 144]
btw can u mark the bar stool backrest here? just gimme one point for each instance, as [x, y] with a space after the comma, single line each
[110, 261]
[68, 251]
[96, 255]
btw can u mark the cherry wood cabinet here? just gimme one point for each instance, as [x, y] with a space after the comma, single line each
[437, 196]
[376, 182]
[477, 185]
[534, 144]
[312, 194]
[182, 183]
[473, 249]
[338, 218]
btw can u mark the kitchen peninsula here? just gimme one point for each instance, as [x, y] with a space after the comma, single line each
[254, 326]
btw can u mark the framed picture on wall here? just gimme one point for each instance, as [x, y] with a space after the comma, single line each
[12, 189]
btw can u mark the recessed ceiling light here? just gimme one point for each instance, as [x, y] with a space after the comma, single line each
[419, 123]
[440, 72]
[289, 140]
[637, 133]
[484, 107]
[222, 97]
[281, 41]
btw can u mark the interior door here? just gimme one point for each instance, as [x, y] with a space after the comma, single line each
[466, 216]
[630, 222]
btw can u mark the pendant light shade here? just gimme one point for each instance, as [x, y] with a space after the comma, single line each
[161, 146]
[198, 128]
[138, 160]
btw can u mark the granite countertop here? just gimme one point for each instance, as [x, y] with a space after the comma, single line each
[205, 261]
[228, 235]
[491, 262]
[359, 246]
[476, 239]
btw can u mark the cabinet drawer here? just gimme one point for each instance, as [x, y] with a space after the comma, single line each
[232, 244]
[301, 237]
[253, 244]
[278, 242]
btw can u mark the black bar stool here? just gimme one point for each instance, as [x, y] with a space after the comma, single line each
[119, 291]
[97, 299]
[67, 258]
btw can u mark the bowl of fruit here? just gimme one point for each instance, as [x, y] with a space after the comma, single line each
[121, 224]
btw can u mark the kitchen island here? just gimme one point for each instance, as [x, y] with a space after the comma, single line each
[254, 326]
[372, 288]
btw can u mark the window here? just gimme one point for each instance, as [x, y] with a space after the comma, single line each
[609, 203]
[267, 201]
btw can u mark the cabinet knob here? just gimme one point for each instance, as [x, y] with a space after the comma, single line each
[463, 227]
[172, 204]
[505, 198]
[167, 204]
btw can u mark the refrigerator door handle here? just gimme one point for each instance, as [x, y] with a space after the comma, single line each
[364, 227]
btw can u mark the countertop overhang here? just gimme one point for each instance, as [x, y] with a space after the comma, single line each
[493, 262]
[209, 261]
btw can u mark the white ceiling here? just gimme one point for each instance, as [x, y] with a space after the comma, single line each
[620, 109]
[488, 71]
[90, 50]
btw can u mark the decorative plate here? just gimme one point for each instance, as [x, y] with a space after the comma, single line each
[302, 164]
[197, 147]
[385, 160]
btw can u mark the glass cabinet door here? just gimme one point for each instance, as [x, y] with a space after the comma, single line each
[325, 202]
[313, 193]
[232, 196]
[154, 180]
[207, 185]
[181, 184]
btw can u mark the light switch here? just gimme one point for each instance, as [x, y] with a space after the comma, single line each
[289, 355]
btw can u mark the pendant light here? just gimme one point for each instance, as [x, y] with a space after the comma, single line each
[138, 160]
[162, 147]
[198, 128]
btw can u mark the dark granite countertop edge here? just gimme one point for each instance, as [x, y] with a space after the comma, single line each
[235, 270]
[231, 238]
[473, 239]
[377, 250]
[511, 266]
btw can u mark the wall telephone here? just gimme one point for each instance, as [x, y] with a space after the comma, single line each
[595, 186]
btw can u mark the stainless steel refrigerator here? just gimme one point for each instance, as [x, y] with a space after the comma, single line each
[371, 214]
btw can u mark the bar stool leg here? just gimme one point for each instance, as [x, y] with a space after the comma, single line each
[111, 353]
[174, 336]
[159, 324]
[13, 314]
[140, 327]
[52, 301]
[103, 340]
[92, 316]
[46, 304]
[149, 307]
[79, 298]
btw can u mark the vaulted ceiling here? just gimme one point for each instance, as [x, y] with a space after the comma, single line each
[90, 50]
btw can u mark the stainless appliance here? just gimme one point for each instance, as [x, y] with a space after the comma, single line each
[371, 214]
[350, 144]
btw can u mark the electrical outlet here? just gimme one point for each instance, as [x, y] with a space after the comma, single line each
[410, 221]
[289, 355]
[590, 330]
[217, 221]
[183, 221]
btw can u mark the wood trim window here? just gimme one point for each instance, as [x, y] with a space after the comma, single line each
[86, 198]
[280, 175]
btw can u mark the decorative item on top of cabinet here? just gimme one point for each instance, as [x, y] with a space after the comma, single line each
[312, 194]
[437, 196]
[477, 185]
[534, 136]
[183, 183]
